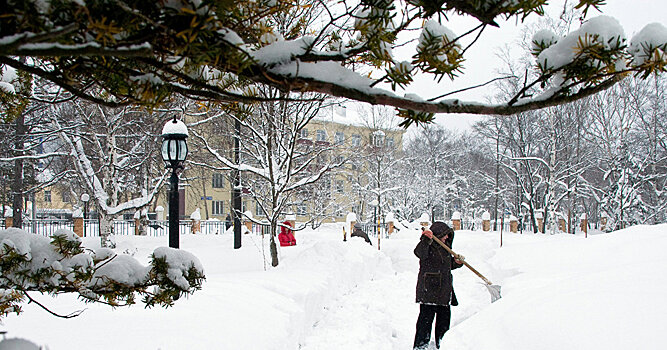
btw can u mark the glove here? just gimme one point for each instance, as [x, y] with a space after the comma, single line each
[427, 233]
[459, 259]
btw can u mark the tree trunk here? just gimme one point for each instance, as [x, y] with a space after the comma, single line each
[106, 231]
[143, 223]
[273, 247]
[17, 188]
[497, 184]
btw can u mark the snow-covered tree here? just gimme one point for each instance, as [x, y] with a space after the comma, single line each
[113, 151]
[376, 157]
[30, 160]
[280, 168]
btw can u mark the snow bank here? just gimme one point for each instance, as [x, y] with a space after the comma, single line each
[569, 292]
[559, 292]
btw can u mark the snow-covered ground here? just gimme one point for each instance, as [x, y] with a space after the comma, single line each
[607, 291]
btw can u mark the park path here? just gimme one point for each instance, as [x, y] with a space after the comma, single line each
[380, 313]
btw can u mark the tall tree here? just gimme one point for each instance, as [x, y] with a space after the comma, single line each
[277, 163]
[109, 147]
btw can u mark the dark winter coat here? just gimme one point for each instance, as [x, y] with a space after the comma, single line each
[228, 222]
[434, 282]
[286, 237]
[359, 233]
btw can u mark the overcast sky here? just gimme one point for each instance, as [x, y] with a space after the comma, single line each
[481, 62]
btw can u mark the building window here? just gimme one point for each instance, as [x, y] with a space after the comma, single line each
[258, 210]
[218, 180]
[378, 138]
[66, 197]
[339, 138]
[390, 142]
[304, 133]
[340, 159]
[301, 209]
[356, 140]
[321, 135]
[356, 209]
[340, 186]
[47, 196]
[217, 208]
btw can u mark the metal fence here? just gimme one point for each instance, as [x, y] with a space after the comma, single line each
[91, 227]
[261, 229]
[372, 229]
[44, 227]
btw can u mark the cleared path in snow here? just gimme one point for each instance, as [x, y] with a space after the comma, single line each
[381, 313]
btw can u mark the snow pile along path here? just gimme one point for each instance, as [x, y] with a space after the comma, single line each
[602, 292]
[241, 305]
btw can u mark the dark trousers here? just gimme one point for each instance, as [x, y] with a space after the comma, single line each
[442, 315]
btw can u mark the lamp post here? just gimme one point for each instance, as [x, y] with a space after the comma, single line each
[85, 198]
[375, 203]
[174, 151]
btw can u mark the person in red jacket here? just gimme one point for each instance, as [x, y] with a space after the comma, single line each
[286, 237]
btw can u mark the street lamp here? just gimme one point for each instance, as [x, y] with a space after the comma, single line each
[174, 151]
[85, 198]
[375, 203]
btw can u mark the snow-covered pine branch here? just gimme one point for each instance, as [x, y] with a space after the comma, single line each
[60, 264]
[343, 49]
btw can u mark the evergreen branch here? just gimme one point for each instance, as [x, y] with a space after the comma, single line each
[71, 315]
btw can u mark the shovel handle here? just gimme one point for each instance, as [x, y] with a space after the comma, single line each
[456, 256]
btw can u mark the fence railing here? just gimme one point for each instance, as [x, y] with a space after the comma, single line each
[155, 228]
[46, 227]
[372, 229]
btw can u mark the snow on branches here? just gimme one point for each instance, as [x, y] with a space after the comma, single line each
[143, 52]
[649, 48]
[60, 264]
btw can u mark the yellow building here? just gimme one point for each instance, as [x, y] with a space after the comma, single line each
[210, 190]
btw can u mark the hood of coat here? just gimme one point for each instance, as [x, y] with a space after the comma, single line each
[440, 229]
[285, 230]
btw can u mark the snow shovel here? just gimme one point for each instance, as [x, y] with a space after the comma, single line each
[494, 290]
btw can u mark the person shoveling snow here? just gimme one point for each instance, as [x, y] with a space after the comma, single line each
[435, 291]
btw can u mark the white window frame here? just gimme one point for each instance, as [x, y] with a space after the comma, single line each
[301, 209]
[217, 208]
[378, 140]
[355, 140]
[321, 135]
[339, 138]
[218, 180]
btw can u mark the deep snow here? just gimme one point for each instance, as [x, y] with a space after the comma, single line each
[607, 291]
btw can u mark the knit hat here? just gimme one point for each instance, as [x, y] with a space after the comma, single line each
[357, 225]
[440, 229]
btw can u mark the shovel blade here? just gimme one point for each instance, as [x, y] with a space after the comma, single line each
[494, 290]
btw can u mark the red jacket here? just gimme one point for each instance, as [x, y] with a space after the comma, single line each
[286, 237]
